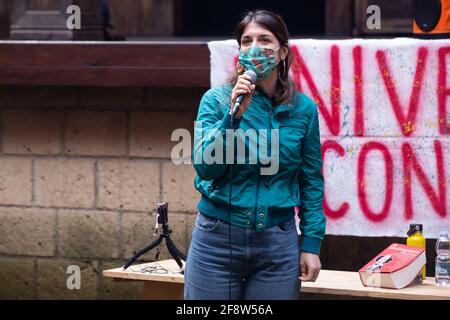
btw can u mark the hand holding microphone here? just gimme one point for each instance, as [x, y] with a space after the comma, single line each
[242, 93]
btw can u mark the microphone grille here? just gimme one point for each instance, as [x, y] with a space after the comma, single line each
[252, 75]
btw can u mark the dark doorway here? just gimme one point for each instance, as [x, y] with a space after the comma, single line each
[218, 18]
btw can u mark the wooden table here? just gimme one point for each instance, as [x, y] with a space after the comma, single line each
[170, 285]
[167, 286]
[349, 284]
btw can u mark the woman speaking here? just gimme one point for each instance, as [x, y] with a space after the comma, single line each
[245, 243]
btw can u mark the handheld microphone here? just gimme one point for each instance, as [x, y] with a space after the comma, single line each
[235, 108]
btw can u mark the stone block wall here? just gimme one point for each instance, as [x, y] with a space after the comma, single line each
[81, 172]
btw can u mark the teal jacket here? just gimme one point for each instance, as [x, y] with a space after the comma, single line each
[260, 200]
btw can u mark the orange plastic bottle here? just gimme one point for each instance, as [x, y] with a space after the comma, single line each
[416, 239]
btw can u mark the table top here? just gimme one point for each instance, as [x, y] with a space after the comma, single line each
[165, 270]
[328, 282]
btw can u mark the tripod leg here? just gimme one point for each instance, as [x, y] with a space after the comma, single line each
[142, 251]
[175, 249]
[173, 252]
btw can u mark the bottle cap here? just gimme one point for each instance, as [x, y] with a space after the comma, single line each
[413, 228]
[444, 234]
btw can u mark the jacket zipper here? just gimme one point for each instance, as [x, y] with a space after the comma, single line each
[257, 194]
[259, 174]
[269, 133]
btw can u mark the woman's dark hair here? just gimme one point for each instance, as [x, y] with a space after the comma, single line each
[275, 24]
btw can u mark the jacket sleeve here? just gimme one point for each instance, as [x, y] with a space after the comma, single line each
[312, 220]
[210, 129]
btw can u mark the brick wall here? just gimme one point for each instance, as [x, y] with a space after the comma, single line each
[81, 172]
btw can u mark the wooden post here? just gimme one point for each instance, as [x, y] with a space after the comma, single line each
[339, 18]
[4, 18]
[47, 20]
[396, 18]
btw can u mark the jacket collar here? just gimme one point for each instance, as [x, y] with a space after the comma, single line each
[283, 110]
[280, 110]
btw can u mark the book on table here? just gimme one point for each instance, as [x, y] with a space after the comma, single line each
[395, 267]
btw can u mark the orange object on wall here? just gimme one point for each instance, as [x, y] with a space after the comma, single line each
[431, 18]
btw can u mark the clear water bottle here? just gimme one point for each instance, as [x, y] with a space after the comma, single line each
[442, 275]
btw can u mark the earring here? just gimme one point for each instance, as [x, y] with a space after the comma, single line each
[284, 69]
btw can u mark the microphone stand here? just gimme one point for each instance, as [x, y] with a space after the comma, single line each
[162, 218]
[232, 113]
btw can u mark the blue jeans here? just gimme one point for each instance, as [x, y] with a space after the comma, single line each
[265, 265]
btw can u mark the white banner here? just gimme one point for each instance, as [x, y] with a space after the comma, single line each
[384, 109]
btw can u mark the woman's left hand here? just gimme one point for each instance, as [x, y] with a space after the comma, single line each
[309, 266]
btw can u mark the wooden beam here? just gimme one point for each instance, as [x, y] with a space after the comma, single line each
[183, 64]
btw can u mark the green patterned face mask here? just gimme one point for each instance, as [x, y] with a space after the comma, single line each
[260, 60]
